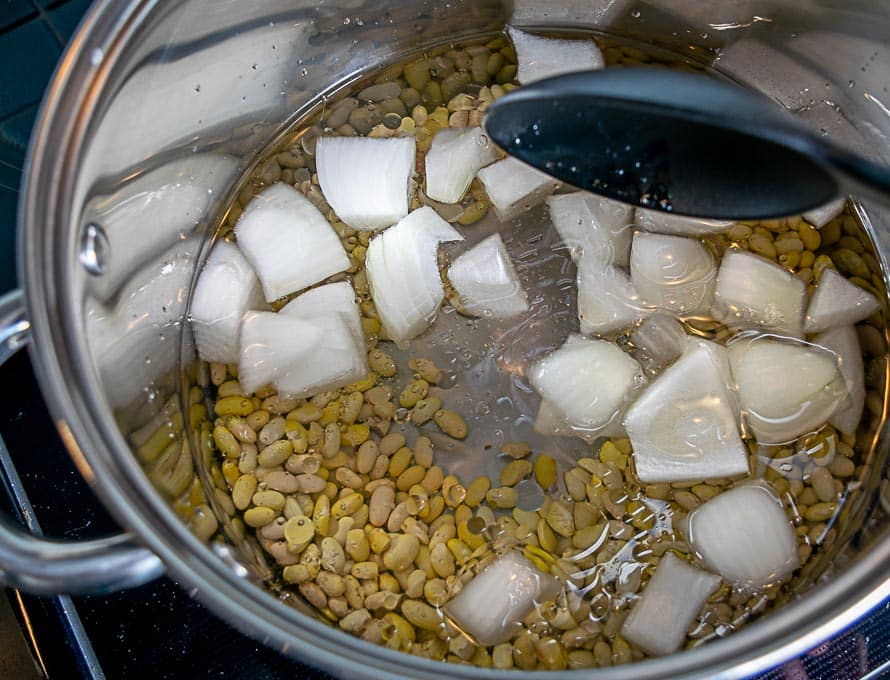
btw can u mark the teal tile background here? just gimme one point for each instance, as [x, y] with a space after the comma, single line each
[33, 34]
[12, 11]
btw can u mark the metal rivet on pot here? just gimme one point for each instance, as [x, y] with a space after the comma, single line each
[94, 249]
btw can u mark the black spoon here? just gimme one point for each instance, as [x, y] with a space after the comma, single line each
[677, 141]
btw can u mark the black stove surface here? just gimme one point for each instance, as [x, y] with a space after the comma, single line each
[158, 631]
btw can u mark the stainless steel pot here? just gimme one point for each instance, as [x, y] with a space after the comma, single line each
[155, 111]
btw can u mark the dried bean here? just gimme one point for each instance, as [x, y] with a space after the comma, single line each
[451, 423]
[515, 471]
[545, 471]
[380, 505]
[275, 453]
[425, 409]
[402, 552]
[515, 449]
[422, 615]
[413, 393]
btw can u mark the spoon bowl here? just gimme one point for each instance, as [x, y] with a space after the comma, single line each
[676, 141]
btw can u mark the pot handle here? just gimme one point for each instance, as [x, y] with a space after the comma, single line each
[46, 566]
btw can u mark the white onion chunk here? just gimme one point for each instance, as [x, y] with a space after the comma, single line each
[514, 187]
[673, 273]
[454, 158]
[672, 599]
[753, 292]
[786, 388]
[491, 606]
[270, 345]
[661, 222]
[837, 302]
[332, 298]
[844, 342]
[403, 273]
[587, 383]
[658, 341]
[607, 300]
[486, 281]
[683, 427]
[365, 179]
[593, 226]
[822, 215]
[288, 241]
[337, 359]
[539, 57]
[226, 289]
[744, 535]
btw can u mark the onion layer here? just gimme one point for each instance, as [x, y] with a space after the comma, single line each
[539, 57]
[486, 281]
[786, 388]
[837, 302]
[607, 300]
[585, 383]
[454, 158]
[403, 273]
[672, 599]
[744, 535]
[683, 427]
[491, 606]
[590, 225]
[658, 341]
[288, 241]
[515, 187]
[753, 292]
[226, 289]
[336, 354]
[665, 223]
[333, 298]
[270, 345]
[337, 359]
[672, 272]
[365, 179]
[844, 342]
[822, 215]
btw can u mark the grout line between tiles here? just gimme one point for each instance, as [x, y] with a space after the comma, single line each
[44, 16]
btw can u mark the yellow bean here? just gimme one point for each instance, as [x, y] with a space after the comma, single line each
[545, 471]
[276, 453]
[475, 492]
[258, 517]
[451, 423]
[391, 443]
[226, 442]
[402, 552]
[425, 368]
[410, 476]
[399, 461]
[502, 497]
[422, 615]
[381, 363]
[413, 393]
[233, 406]
[515, 471]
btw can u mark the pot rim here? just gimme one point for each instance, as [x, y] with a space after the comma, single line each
[75, 400]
